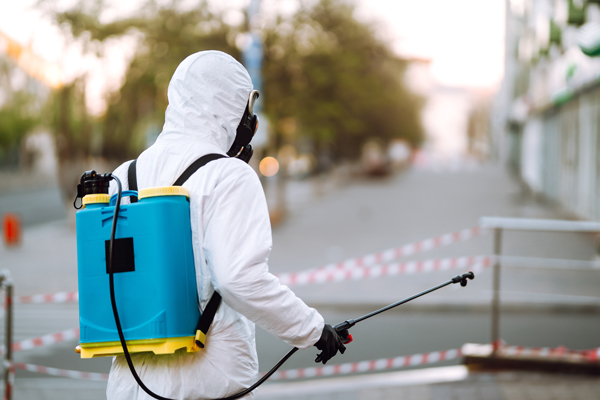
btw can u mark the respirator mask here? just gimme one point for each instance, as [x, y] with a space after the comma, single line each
[241, 147]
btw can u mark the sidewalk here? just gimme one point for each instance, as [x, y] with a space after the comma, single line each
[58, 388]
[446, 383]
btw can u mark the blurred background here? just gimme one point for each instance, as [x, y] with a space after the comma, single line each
[379, 84]
[382, 123]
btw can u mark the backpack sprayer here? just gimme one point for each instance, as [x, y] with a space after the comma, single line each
[163, 279]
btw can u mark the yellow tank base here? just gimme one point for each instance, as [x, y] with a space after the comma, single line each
[156, 346]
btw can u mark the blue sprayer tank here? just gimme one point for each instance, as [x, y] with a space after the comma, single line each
[154, 275]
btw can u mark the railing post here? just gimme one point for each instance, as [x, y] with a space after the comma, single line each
[496, 290]
[8, 361]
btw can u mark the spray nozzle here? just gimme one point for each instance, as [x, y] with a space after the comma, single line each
[463, 278]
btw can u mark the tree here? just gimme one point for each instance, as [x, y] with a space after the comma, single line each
[168, 35]
[324, 71]
[135, 113]
[339, 82]
[19, 114]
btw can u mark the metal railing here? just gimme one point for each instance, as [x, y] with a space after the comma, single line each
[9, 370]
[499, 225]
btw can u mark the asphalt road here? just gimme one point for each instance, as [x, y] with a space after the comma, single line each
[351, 219]
[34, 206]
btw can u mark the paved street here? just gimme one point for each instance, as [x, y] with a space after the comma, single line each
[432, 384]
[447, 383]
[33, 205]
[349, 219]
[371, 216]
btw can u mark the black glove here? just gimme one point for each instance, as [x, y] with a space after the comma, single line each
[330, 343]
[346, 336]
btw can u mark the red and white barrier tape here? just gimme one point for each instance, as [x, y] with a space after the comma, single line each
[406, 250]
[320, 276]
[594, 354]
[556, 352]
[60, 297]
[372, 365]
[44, 340]
[406, 268]
[299, 277]
[93, 376]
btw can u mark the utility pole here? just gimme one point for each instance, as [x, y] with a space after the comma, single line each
[253, 55]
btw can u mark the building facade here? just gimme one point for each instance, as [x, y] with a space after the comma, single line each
[547, 114]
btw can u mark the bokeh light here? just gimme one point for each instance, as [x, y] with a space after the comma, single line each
[269, 166]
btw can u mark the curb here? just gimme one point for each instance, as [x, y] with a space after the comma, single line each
[339, 385]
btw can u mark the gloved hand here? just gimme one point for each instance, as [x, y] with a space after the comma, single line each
[330, 342]
[346, 336]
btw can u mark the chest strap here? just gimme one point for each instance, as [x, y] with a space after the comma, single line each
[208, 315]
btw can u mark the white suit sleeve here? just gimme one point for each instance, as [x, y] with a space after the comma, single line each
[237, 244]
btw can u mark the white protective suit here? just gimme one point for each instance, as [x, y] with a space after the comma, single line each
[231, 236]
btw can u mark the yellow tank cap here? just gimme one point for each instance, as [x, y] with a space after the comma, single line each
[163, 191]
[95, 199]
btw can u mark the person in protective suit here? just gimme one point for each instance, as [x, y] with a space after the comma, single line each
[231, 236]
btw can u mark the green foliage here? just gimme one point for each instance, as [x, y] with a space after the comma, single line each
[19, 111]
[342, 85]
[323, 69]
[70, 122]
[555, 33]
[169, 37]
[166, 35]
[16, 120]
[576, 13]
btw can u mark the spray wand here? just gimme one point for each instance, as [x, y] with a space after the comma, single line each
[458, 278]
[462, 279]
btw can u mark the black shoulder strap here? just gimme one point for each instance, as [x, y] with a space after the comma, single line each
[207, 317]
[202, 161]
[132, 179]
